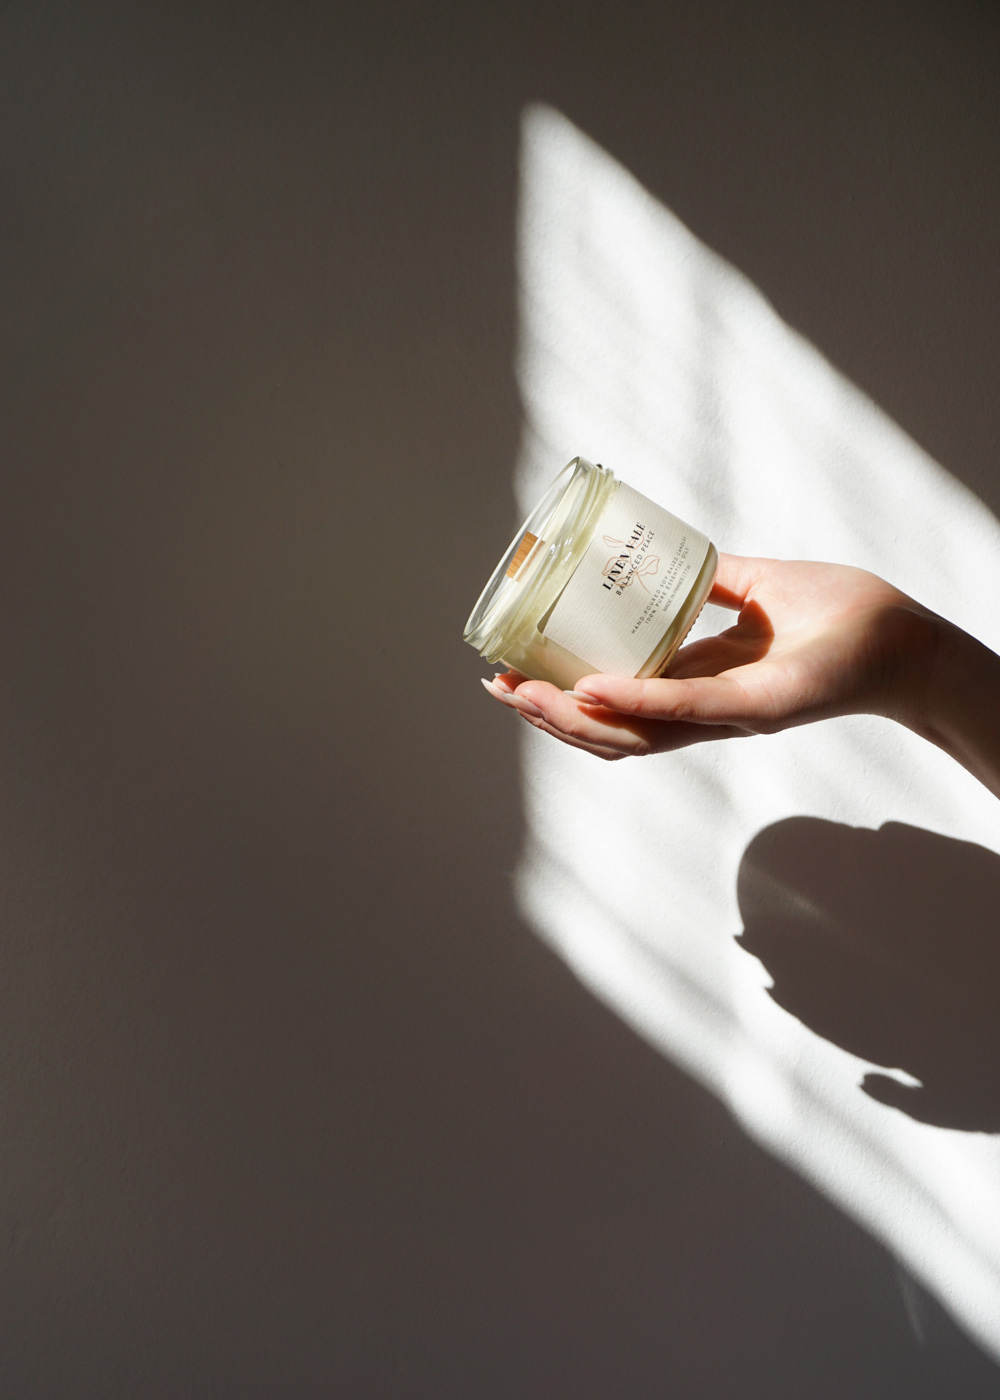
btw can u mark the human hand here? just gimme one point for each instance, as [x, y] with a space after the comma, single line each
[811, 641]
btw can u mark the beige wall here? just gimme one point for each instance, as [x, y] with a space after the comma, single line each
[293, 1104]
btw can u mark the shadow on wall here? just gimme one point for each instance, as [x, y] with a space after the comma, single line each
[887, 944]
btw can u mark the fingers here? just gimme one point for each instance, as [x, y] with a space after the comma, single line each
[708, 700]
[584, 728]
[548, 706]
[598, 730]
[550, 709]
[577, 741]
[635, 740]
[736, 576]
[505, 689]
[507, 681]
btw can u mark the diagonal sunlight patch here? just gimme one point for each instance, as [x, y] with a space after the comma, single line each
[642, 349]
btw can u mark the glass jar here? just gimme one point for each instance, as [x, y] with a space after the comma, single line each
[599, 578]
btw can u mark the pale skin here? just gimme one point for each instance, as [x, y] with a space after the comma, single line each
[811, 641]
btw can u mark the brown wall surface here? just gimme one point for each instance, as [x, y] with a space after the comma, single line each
[293, 1103]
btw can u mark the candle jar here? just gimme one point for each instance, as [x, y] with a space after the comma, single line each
[599, 578]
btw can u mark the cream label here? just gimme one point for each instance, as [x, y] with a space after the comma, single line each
[632, 581]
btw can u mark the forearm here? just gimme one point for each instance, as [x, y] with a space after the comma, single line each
[959, 704]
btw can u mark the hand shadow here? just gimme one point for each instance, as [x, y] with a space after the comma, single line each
[886, 943]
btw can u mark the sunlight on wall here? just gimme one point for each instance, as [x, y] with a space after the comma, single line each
[643, 350]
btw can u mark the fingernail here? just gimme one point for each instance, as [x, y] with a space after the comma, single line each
[522, 703]
[516, 702]
[580, 695]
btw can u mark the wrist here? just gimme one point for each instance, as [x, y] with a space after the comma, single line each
[915, 643]
[956, 705]
[950, 665]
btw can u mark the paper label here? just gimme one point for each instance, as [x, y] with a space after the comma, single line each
[632, 581]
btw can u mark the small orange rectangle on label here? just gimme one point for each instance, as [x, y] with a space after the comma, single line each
[527, 544]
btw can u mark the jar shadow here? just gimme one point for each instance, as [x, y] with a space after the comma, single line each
[886, 943]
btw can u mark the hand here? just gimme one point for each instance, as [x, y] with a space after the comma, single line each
[811, 641]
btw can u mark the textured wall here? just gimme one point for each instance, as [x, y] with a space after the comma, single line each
[293, 1103]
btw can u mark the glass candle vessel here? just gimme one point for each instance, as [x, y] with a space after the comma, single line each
[599, 578]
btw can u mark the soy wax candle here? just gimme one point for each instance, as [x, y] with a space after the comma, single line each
[599, 578]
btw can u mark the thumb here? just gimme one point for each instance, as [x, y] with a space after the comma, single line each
[736, 575]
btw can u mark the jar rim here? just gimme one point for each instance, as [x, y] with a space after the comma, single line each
[541, 542]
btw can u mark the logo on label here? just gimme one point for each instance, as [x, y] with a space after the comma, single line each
[632, 563]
